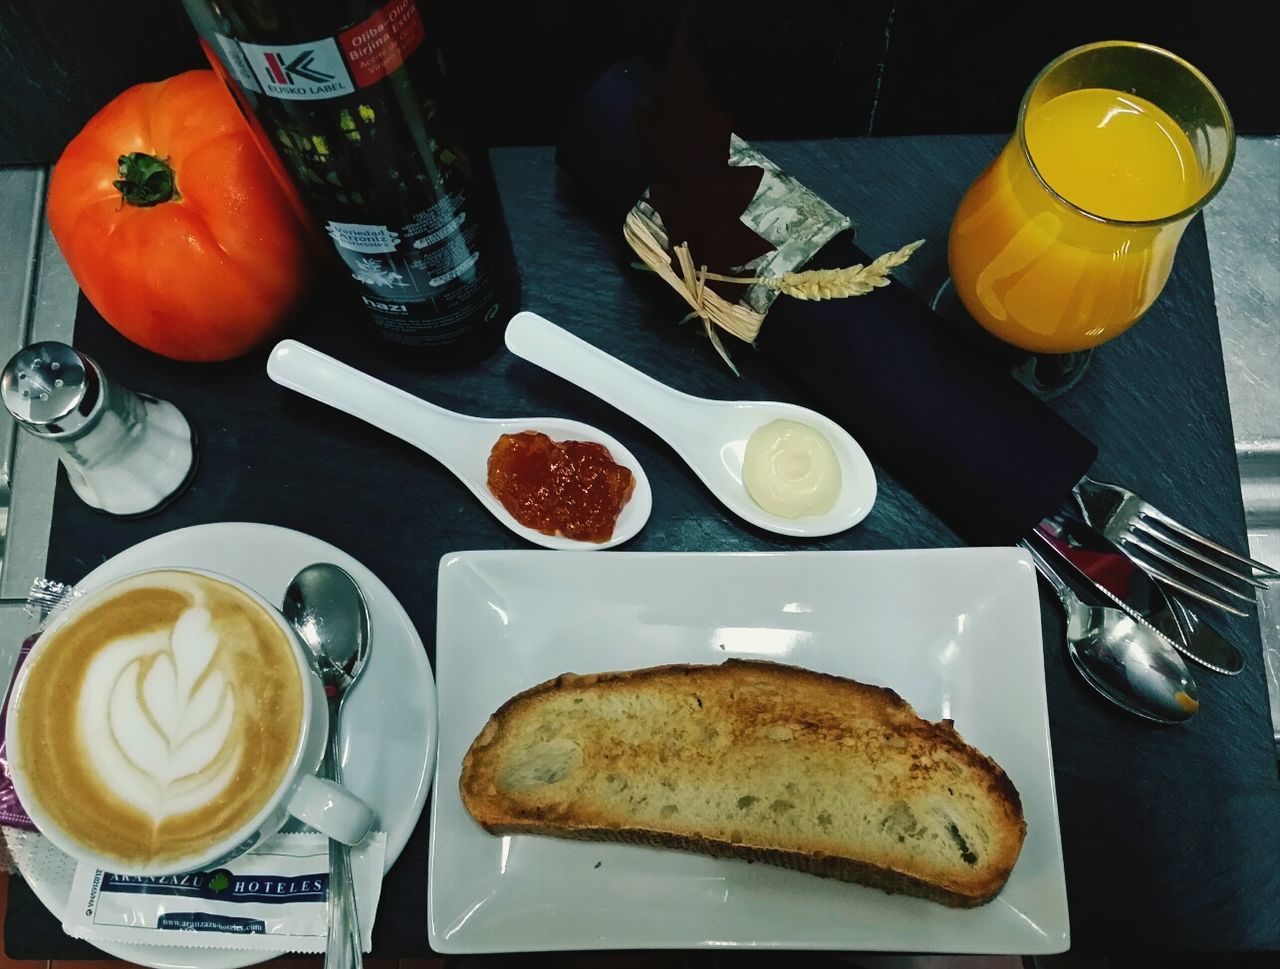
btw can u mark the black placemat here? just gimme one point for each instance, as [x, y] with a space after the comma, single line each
[1170, 834]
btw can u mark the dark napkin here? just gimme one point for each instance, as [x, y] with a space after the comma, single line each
[932, 409]
[943, 417]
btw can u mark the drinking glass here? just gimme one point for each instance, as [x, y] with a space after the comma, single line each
[1067, 238]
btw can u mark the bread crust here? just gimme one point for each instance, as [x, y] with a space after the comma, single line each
[500, 812]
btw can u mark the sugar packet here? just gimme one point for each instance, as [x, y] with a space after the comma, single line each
[46, 598]
[12, 813]
[272, 899]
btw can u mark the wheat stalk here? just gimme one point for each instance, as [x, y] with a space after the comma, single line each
[817, 284]
[737, 318]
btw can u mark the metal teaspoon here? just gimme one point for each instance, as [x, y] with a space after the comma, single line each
[326, 607]
[1123, 659]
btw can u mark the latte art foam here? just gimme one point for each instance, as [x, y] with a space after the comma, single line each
[169, 745]
[160, 717]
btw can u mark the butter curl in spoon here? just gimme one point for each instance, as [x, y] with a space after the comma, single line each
[791, 470]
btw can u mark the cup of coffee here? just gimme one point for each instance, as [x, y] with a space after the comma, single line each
[168, 722]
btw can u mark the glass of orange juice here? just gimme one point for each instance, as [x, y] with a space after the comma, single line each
[1067, 238]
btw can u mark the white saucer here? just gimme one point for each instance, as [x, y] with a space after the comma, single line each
[389, 736]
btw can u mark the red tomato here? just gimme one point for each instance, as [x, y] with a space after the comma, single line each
[174, 224]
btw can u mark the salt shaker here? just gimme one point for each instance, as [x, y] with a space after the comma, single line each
[125, 453]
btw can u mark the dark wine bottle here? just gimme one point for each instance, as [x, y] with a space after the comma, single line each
[349, 94]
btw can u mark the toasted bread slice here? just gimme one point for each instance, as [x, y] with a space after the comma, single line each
[752, 760]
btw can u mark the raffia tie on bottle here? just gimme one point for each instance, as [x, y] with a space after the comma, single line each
[740, 320]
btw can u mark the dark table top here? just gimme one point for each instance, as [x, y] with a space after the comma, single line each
[1171, 834]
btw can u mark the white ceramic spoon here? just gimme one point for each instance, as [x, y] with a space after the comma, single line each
[711, 435]
[458, 441]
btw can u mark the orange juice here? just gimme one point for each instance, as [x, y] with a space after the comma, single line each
[1069, 235]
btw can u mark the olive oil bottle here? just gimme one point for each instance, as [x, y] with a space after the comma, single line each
[348, 93]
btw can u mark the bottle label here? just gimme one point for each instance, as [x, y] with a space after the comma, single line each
[331, 66]
[379, 45]
[426, 270]
[312, 71]
[355, 237]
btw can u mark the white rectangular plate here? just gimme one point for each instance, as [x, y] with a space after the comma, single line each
[956, 632]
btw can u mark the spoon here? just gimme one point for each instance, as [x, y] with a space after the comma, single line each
[1122, 658]
[458, 441]
[710, 435]
[327, 608]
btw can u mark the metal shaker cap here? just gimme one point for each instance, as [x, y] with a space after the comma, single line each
[51, 388]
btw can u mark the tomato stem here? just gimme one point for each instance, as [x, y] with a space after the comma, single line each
[145, 180]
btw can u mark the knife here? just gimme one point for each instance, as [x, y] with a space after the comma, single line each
[1103, 565]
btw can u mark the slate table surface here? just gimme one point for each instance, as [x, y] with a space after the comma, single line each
[1171, 834]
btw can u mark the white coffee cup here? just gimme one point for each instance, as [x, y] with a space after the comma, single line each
[323, 804]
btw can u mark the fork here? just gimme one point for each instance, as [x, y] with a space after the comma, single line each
[1167, 550]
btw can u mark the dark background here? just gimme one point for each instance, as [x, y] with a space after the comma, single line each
[787, 69]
